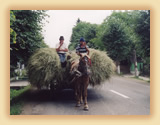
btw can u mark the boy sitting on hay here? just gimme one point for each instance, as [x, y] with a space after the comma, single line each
[82, 48]
[61, 50]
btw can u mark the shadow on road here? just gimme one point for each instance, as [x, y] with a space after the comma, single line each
[66, 95]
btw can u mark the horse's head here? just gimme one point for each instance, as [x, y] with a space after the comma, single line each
[84, 64]
[84, 60]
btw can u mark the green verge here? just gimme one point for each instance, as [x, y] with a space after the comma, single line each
[17, 104]
[136, 77]
[15, 109]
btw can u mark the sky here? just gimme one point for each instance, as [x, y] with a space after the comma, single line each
[61, 22]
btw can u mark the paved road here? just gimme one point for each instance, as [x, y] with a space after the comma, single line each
[119, 96]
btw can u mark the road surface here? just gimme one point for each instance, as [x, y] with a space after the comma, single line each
[118, 96]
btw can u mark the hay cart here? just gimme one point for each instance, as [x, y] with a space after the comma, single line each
[44, 69]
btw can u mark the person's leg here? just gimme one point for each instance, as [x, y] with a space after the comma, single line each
[60, 57]
[63, 59]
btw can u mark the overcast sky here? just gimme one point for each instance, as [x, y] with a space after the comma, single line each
[61, 23]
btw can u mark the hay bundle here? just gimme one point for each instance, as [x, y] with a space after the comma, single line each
[102, 67]
[43, 67]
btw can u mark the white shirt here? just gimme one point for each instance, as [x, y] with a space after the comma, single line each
[62, 47]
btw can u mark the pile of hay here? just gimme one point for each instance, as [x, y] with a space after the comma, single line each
[102, 67]
[44, 67]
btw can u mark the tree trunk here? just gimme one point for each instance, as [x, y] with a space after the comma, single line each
[135, 63]
[136, 69]
[118, 67]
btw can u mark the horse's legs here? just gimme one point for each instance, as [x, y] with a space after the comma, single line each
[81, 100]
[86, 82]
[78, 92]
[78, 100]
[75, 91]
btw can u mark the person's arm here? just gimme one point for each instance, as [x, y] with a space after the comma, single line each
[65, 50]
[79, 54]
[87, 50]
[58, 49]
[77, 51]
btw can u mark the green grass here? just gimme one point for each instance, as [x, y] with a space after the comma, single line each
[15, 109]
[136, 77]
[16, 106]
[15, 93]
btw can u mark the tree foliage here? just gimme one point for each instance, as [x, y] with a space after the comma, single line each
[12, 32]
[26, 34]
[83, 29]
[143, 45]
[116, 39]
[143, 30]
[120, 34]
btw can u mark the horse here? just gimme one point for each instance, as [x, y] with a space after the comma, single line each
[81, 72]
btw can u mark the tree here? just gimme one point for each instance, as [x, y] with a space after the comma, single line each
[143, 45]
[25, 35]
[143, 30]
[138, 21]
[27, 25]
[129, 18]
[116, 40]
[82, 29]
[137, 25]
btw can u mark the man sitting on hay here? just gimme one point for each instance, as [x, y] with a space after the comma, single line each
[61, 50]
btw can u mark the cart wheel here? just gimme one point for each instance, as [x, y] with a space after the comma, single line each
[54, 90]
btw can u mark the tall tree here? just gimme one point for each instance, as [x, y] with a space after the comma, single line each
[83, 29]
[143, 45]
[138, 23]
[28, 28]
[116, 40]
[143, 30]
[129, 18]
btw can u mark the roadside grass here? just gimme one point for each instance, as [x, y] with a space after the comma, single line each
[15, 109]
[134, 77]
[16, 103]
[137, 77]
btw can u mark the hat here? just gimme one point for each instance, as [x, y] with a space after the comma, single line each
[61, 38]
[82, 39]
